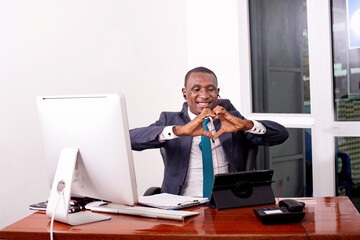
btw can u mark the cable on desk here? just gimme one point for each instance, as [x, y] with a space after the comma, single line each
[307, 235]
[53, 215]
[278, 196]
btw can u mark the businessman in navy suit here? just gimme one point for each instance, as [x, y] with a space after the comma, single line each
[177, 134]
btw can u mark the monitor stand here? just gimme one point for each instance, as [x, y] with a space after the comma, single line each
[60, 194]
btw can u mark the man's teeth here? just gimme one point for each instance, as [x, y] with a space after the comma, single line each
[204, 104]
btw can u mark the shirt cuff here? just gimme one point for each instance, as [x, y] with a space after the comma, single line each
[167, 134]
[258, 128]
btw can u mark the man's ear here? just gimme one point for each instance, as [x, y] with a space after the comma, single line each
[184, 93]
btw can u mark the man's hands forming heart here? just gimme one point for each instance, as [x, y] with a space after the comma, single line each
[229, 124]
[195, 128]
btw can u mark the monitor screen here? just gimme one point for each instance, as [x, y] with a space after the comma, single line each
[96, 127]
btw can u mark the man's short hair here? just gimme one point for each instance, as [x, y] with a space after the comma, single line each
[198, 69]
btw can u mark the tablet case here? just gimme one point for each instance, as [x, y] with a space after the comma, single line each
[241, 189]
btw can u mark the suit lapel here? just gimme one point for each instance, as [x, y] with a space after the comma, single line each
[185, 141]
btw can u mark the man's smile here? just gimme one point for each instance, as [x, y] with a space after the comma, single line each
[203, 104]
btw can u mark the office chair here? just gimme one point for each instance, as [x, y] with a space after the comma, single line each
[249, 165]
[344, 176]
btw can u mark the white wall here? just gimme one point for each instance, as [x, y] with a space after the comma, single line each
[213, 39]
[66, 47]
[142, 48]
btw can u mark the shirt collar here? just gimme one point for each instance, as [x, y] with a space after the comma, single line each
[191, 115]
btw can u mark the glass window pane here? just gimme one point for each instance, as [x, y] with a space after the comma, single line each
[348, 168]
[346, 67]
[279, 52]
[291, 162]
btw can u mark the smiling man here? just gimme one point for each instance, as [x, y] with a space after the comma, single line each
[178, 135]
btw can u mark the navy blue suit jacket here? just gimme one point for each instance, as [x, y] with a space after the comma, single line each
[176, 152]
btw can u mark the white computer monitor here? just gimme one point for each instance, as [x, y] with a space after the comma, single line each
[87, 150]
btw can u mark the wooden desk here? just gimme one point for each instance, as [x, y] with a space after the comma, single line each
[326, 218]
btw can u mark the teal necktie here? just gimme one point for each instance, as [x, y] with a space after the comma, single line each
[208, 171]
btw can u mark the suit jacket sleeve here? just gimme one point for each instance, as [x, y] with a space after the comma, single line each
[148, 137]
[275, 134]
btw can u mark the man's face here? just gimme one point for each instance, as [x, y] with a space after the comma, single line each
[201, 92]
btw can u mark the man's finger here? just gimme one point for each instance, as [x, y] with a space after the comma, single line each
[207, 134]
[205, 114]
[215, 117]
[219, 108]
[208, 114]
[218, 134]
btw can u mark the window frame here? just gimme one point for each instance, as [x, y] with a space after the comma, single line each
[321, 120]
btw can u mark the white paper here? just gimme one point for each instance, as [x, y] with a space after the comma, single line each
[171, 201]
